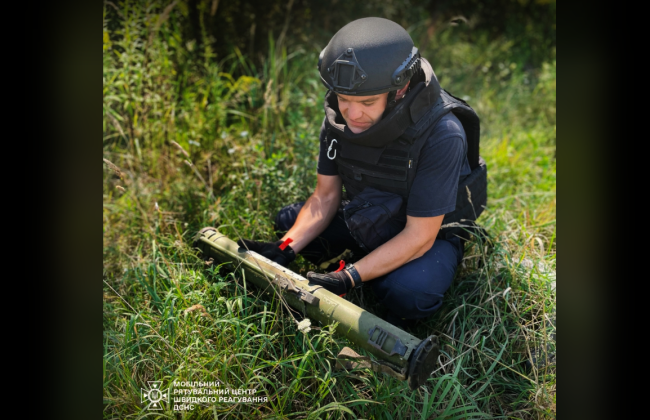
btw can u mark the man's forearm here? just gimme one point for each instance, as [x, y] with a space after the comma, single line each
[314, 217]
[388, 257]
[408, 245]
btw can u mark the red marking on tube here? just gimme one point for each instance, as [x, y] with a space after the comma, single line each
[341, 265]
[342, 295]
[284, 244]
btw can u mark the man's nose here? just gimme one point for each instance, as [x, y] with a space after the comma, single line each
[355, 111]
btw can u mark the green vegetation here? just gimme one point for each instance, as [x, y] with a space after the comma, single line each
[196, 139]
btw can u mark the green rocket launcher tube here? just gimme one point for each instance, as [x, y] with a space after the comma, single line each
[399, 353]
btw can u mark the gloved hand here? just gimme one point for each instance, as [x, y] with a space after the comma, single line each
[338, 282]
[270, 250]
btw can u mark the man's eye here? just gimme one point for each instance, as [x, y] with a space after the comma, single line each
[368, 103]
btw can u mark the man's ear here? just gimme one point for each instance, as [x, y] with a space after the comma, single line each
[402, 91]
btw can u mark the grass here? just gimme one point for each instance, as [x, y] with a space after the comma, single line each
[195, 140]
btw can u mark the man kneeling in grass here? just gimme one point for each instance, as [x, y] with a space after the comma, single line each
[398, 159]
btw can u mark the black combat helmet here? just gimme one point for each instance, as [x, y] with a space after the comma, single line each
[367, 57]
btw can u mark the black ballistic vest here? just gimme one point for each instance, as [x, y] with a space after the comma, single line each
[386, 155]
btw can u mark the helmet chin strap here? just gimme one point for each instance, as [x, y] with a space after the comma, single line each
[392, 100]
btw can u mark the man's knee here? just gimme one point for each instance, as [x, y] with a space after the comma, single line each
[405, 303]
[416, 289]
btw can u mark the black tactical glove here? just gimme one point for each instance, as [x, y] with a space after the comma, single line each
[338, 282]
[270, 250]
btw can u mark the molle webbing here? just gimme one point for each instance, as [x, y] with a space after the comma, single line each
[391, 172]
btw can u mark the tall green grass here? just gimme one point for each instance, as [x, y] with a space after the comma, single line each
[200, 140]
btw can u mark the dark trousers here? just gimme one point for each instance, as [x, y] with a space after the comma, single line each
[412, 291]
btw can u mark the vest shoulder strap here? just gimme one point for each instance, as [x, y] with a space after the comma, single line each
[448, 103]
[429, 119]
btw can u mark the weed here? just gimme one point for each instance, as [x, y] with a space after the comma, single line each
[249, 136]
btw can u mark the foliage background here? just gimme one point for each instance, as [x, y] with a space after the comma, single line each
[211, 112]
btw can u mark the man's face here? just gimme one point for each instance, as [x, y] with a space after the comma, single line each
[362, 112]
